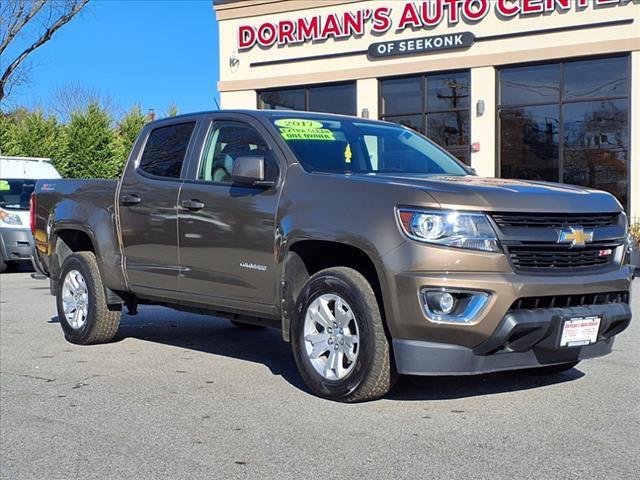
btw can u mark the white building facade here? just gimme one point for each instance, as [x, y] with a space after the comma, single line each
[534, 89]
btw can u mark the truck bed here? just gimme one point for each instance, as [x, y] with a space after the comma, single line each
[85, 205]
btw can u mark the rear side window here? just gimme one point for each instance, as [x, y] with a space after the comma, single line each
[165, 150]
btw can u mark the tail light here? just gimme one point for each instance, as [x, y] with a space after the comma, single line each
[32, 213]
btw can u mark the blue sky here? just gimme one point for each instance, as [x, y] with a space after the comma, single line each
[137, 51]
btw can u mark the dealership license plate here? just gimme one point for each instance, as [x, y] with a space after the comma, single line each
[580, 331]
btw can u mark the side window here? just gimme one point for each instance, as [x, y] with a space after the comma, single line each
[165, 150]
[228, 141]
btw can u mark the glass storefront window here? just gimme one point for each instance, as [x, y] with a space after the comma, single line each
[575, 130]
[530, 85]
[448, 92]
[402, 96]
[596, 145]
[293, 99]
[414, 122]
[334, 98]
[437, 105]
[530, 142]
[449, 128]
[608, 77]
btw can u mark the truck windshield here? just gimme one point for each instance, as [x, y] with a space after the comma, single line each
[350, 146]
[15, 193]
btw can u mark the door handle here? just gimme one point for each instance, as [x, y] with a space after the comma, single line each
[192, 205]
[129, 200]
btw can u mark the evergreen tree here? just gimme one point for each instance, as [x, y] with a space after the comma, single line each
[128, 130]
[172, 111]
[31, 134]
[92, 150]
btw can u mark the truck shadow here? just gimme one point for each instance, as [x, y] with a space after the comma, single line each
[456, 387]
[218, 337]
[212, 335]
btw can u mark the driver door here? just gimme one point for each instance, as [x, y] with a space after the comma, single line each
[226, 231]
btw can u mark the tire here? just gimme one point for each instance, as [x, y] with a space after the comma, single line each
[371, 374]
[552, 369]
[246, 326]
[100, 324]
[3, 265]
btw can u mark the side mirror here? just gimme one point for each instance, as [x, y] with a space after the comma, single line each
[472, 171]
[249, 171]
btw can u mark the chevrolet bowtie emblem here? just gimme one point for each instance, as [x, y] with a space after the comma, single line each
[577, 236]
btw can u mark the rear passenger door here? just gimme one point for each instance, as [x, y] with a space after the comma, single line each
[148, 209]
[227, 231]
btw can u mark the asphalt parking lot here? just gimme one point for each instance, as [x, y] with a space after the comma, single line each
[185, 396]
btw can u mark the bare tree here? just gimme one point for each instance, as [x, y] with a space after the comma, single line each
[37, 18]
[76, 96]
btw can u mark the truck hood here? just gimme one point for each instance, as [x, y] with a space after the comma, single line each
[498, 194]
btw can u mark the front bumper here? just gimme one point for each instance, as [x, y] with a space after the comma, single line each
[409, 269]
[523, 339]
[15, 244]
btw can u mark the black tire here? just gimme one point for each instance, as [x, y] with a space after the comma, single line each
[552, 369]
[3, 265]
[246, 326]
[373, 373]
[101, 324]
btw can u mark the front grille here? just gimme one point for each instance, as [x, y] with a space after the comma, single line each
[565, 301]
[554, 220]
[553, 256]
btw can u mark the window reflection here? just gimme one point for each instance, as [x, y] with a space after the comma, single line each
[596, 145]
[438, 105]
[448, 92]
[283, 100]
[339, 99]
[529, 146]
[414, 122]
[527, 85]
[334, 98]
[594, 148]
[402, 96]
[602, 78]
[449, 128]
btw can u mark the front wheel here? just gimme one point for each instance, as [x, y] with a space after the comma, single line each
[82, 305]
[338, 338]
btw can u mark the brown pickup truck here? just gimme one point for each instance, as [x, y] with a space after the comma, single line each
[372, 249]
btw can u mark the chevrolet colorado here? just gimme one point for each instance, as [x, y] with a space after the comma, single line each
[372, 249]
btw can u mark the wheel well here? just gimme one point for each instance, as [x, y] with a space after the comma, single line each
[307, 257]
[67, 243]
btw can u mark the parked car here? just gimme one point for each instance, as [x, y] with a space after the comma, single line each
[374, 251]
[18, 177]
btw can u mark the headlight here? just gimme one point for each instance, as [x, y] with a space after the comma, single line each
[9, 218]
[448, 228]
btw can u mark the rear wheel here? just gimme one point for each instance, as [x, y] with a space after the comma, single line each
[3, 265]
[81, 302]
[338, 338]
[552, 369]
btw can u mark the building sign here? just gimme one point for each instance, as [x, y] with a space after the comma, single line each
[413, 46]
[396, 16]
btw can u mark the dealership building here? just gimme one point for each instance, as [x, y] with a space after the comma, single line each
[532, 89]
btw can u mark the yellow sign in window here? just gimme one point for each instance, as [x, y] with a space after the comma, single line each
[301, 129]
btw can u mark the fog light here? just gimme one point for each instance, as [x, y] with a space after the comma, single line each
[443, 302]
[453, 306]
